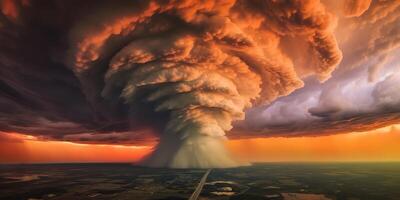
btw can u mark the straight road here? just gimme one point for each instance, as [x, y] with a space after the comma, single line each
[199, 187]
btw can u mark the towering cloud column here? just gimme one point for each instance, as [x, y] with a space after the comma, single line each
[202, 63]
[201, 85]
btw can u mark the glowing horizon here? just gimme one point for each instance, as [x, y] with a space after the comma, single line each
[380, 145]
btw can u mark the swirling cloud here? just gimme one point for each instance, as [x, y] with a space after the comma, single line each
[185, 71]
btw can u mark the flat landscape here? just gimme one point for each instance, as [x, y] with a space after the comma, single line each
[288, 181]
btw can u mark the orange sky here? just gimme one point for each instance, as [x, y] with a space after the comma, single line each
[26, 149]
[378, 145]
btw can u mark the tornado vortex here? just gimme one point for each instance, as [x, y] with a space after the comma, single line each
[201, 62]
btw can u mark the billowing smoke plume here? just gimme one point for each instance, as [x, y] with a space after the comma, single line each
[202, 63]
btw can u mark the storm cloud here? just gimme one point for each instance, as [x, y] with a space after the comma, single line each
[134, 71]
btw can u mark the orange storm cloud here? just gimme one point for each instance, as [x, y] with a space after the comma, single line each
[184, 73]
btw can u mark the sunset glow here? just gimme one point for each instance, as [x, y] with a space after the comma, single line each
[27, 149]
[378, 145]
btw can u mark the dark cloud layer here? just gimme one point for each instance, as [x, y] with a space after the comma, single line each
[40, 94]
[62, 64]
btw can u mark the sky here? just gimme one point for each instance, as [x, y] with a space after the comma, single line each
[381, 145]
[197, 83]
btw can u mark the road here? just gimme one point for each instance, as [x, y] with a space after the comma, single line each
[199, 187]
